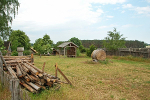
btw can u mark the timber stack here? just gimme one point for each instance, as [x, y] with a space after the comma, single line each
[31, 77]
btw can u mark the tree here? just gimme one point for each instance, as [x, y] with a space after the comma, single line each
[43, 45]
[46, 40]
[75, 41]
[114, 41]
[57, 44]
[38, 45]
[19, 39]
[7, 8]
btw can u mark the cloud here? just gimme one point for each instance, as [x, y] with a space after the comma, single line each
[139, 10]
[110, 16]
[128, 6]
[108, 26]
[127, 26]
[143, 10]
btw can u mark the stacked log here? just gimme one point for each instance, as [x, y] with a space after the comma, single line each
[32, 78]
[98, 54]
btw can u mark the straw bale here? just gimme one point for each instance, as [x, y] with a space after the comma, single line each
[98, 54]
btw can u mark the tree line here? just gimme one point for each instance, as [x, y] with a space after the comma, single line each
[128, 43]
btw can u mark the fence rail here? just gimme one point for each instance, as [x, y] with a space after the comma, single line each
[12, 83]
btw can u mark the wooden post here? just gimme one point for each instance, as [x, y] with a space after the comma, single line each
[32, 59]
[56, 70]
[15, 89]
[43, 67]
[148, 53]
[59, 52]
[64, 51]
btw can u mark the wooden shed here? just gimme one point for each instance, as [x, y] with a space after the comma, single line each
[55, 52]
[68, 48]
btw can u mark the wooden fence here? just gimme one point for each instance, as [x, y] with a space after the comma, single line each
[136, 52]
[12, 83]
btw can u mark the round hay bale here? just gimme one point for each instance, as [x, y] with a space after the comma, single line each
[98, 54]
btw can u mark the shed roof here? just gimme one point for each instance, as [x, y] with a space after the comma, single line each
[67, 44]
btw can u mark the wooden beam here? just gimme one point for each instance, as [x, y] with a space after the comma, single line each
[64, 76]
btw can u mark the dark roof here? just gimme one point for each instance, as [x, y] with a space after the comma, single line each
[67, 44]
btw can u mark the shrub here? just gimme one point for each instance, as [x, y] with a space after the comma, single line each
[14, 53]
[26, 52]
[78, 52]
[89, 51]
[82, 48]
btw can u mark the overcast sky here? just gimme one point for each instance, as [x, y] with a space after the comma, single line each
[84, 19]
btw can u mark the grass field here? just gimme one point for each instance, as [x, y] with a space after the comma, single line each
[114, 79]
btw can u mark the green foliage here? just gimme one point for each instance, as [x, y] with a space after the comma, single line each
[46, 40]
[19, 39]
[2, 48]
[78, 52]
[82, 48]
[43, 45]
[57, 44]
[7, 9]
[90, 50]
[75, 41]
[26, 52]
[114, 41]
[14, 53]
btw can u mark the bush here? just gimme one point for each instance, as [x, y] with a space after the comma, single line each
[78, 52]
[89, 51]
[82, 48]
[26, 52]
[14, 53]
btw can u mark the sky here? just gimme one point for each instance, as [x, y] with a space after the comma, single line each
[83, 19]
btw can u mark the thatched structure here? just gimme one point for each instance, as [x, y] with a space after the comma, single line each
[71, 49]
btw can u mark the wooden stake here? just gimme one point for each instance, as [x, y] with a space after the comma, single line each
[43, 67]
[56, 70]
[63, 75]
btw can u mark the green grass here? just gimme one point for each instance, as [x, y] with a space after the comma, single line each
[114, 79]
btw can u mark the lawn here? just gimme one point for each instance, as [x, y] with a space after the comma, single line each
[116, 79]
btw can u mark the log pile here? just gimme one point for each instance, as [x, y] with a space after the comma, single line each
[32, 78]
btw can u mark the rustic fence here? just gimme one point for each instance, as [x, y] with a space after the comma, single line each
[136, 52]
[12, 83]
